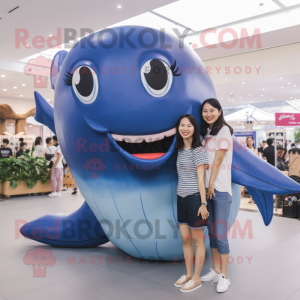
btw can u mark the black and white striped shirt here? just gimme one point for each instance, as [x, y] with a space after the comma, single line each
[187, 162]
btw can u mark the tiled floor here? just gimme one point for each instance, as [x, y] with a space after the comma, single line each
[263, 267]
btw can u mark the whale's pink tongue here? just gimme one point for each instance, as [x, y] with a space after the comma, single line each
[149, 155]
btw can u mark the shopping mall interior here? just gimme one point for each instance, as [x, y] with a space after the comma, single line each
[78, 200]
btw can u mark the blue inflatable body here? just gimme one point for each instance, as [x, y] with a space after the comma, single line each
[113, 90]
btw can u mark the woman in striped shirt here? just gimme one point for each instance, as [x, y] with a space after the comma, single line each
[191, 200]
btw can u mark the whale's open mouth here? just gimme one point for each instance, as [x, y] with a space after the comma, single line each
[146, 146]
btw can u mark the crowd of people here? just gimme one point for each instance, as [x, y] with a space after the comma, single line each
[52, 153]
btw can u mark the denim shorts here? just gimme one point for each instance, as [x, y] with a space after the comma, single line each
[187, 210]
[218, 227]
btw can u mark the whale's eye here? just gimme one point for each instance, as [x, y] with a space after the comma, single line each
[156, 77]
[85, 84]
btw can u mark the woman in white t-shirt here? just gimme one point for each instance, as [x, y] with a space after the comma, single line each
[38, 149]
[218, 146]
[250, 145]
[57, 174]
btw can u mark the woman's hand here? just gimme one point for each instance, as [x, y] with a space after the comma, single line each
[210, 192]
[203, 211]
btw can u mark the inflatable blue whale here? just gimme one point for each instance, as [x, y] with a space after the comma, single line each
[118, 95]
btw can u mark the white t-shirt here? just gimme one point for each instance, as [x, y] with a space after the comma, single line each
[223, 140]
[59, 164]
[38, 150]
[254, 150]
[50, 150]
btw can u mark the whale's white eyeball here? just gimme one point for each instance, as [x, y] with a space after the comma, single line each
[85, 84]
[156, 77]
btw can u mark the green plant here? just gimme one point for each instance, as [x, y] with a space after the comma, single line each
[25, 167]
[297, 135]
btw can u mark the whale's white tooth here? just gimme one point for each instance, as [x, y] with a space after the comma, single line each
[134, 139]
[154, 137]
[170, 132]
[117, 137]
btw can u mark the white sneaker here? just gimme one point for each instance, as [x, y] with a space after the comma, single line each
[211, 275]
[53, 195]
[59, 194]
[223, 284]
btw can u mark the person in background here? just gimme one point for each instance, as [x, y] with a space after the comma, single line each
[289, 145]
[5, 151]
[250, 144]
[55, 141]
[75, 189]
[50, 149]
[260, 150]
[22, 149]
[57, 175]
[281, 152]
[298, 145]
[268, 153]
[39, 150]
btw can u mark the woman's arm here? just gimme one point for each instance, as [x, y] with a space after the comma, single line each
[43, 153]
[215, 171]
[58, 156]
[201, 186]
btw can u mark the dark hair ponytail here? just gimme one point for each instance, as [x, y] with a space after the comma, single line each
[218, 124]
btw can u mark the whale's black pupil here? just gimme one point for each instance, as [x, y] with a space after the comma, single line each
[157, 78]
[86, 83]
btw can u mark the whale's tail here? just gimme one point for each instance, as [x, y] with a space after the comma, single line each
[261, 179]
[80, 229]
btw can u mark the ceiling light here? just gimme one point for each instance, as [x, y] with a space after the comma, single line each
[295, 85]
[50, 34]
[231, 93]
[288, 83]
[226, 78]
[271, 99]
[23, 84]
[280, 77]
[250, 101]
[291, 97]
[48, 99]
[238, 122]
[3, 76]
[4, 90]
[119, 6]
[282, 87]
[21, 95]
[221, 98]
[30, 125]
[243, 82]
[262, 95]
[249, 94]
[15, 87]
[263, 89]
[240, 97]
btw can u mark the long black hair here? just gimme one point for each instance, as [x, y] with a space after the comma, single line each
[251, 137]
[196, 136]
[218, 124]
[38, 141]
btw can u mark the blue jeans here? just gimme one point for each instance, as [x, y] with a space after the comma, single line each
[219, 208]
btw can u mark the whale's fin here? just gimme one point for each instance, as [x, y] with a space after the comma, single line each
[260, 178]
[77, 230]
[44, 111]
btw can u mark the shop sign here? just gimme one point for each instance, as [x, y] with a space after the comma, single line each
[287, 119]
